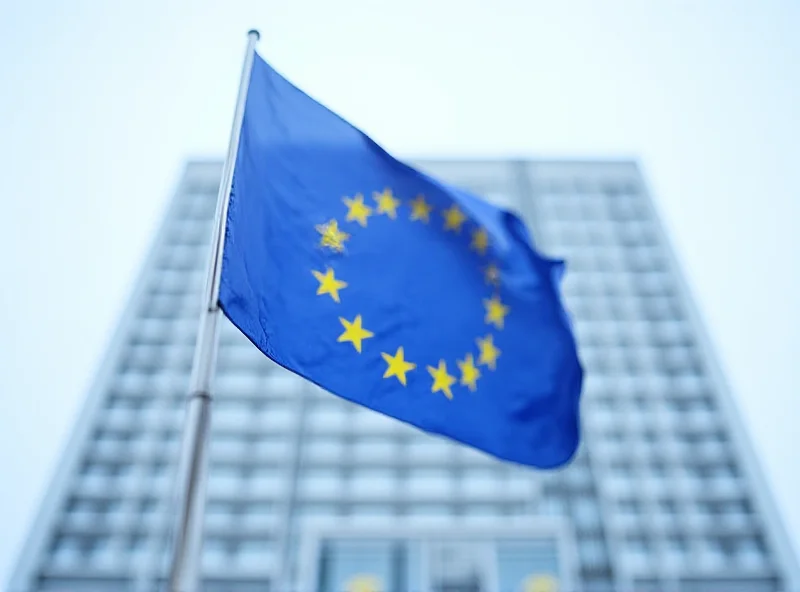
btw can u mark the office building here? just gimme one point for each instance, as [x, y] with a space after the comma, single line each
[308, 493]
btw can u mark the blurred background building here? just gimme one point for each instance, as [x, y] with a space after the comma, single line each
[309, 493]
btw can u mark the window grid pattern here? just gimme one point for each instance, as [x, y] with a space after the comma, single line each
[655, 490]
[673, 496]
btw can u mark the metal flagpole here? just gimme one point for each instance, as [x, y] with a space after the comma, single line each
[193, 468]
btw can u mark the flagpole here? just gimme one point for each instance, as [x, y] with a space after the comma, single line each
[193, 468]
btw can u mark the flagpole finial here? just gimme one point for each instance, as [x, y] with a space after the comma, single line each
[254, 32]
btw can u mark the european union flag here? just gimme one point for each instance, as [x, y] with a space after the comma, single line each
[392, 289]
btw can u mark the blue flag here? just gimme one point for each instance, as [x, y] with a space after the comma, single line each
[392, 289]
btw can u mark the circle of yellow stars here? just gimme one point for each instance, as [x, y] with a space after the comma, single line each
[397, 366]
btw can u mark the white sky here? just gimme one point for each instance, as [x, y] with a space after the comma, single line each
[100, 103]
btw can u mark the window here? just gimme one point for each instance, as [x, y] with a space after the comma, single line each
[268, 480]
[197, 206]
[225, 480]
[669, 332]
[216, 553]
[553, 506]
[714, 552]
[72, 550]
[610, 258]
[260, 514]
[235, 358]
[626, 207]
[675, 551]
[103, 475]
[181, 258]
[592, 551]
[190, 232]
[432, 510]
[659, 307]
[323, 448]
[648, 435]
[480, 482]
[230, 415]
[161, 478]
[724, 479]
[690, 384]
[87, 511]
[370, 482]
[459, 565]
[372, 511]
[318, 509]
[602, 415]
[281, 384]
[126, 406]
[377, 447]
[679, 358]
[593, 583]
[228, 445]
[169, 436]
[329, 417]
[145, 359]
[427, 448]
[369, 561]
[237, 384]
[500, 199]
[321, 482]
[629, 513]
[256, 555]
[163, 306]
[751, 552]
[586, 513]
[614, 434]
[520, 485]
[67, 552]
[366, 420]
[272, 446]
[429, 482]
[578, 477]
[635, 233]
[148, 508]
[135, 547]
[735, 513]
[621, 468]
[638, 550]
[230, 335]
[150, 332]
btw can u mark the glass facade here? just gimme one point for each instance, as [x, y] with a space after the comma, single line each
[309, 493]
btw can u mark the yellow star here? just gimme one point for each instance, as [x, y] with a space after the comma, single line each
[397, 366]
[357, 210]
[420, 209]
[328, 284]
[387, 204]
[354, 332]
[469, 373]
[480, 240]
[496, 311]
[489, 353]
[453, 218]
[442, 381]
[331, 235]
[492, 275]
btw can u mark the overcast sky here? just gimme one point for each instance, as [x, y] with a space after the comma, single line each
[101, 102]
